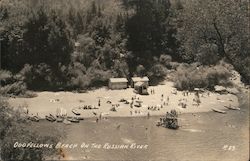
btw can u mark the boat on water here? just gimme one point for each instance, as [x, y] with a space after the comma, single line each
[232, 108]
[75, 111]
[219, 111]
[73, 120]
[170, 120]
[50, 118]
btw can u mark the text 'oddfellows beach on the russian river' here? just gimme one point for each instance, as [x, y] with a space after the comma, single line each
[83, 145]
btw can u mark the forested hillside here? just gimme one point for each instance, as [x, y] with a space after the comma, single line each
[78, 44]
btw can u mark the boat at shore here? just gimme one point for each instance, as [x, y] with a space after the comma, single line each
[79, 118]
[73, 120]
[59, 119]
[34, 118]
[75, 111]
[232, 108]
[67, 122]
[50, 118]
[219, 111]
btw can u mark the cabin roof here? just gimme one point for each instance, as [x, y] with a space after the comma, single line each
[118, 80]
[140, 79]
[139, 84]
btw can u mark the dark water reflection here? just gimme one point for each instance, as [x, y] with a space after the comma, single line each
[203, 136]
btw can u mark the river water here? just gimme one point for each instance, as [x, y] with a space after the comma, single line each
[203, 136]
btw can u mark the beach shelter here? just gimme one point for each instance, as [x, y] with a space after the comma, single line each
[118, 83]
[135, 80]
[141, 87]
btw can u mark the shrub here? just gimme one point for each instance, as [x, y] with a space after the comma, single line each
[192, 76]
[157, 73]
[165, 60]
[17, 88]
[79, 82]
[12, 84]
[5, 76]
[14, 128]
[208, 54]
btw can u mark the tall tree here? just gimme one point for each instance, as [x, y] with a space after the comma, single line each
[146, 30]
[222, 23]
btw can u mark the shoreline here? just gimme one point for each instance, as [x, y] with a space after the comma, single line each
[156, 104]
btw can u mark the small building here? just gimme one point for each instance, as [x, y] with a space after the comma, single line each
[134, 80]
[141, 88]
[118, 83]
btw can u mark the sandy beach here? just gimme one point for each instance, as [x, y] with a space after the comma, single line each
[162, 100]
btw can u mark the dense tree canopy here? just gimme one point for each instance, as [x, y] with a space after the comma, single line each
[116, 38]
[207, 25]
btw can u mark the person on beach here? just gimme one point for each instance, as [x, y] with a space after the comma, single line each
[99, 102]
[148, 114]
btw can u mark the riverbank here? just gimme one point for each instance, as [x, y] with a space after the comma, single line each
[161, 98]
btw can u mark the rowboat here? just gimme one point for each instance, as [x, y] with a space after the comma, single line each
[79, 118]
[53, 117]
[34, 118]
[73, 120]
[49, 118]
[219, 111]
[59, 119]
[67, 122]
[75, 111]
[232, 108]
